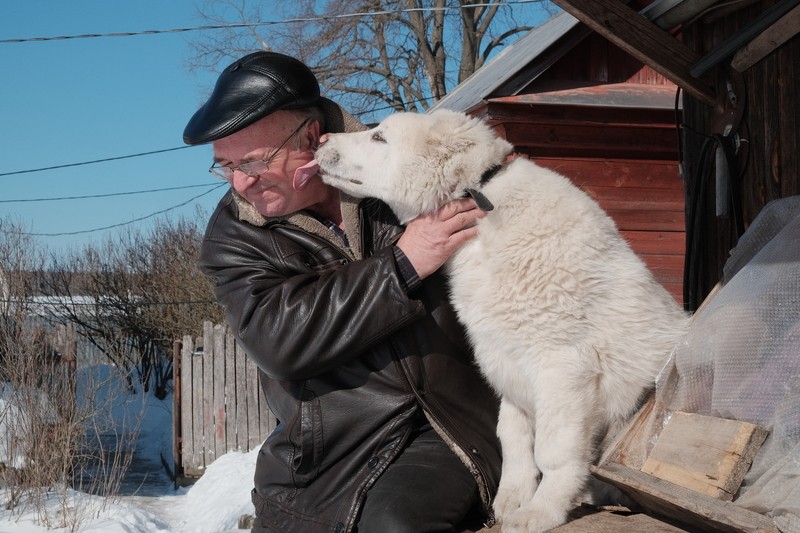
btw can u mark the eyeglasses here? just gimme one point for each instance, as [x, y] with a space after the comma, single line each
[253, 169]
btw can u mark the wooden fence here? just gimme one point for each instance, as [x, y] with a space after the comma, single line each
[219, 406]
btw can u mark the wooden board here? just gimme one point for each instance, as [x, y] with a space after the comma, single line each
[622, 173]
[705, 454]
[586, 519]
[648, 220]
[656, 242]
[682, 504]
[781, 31]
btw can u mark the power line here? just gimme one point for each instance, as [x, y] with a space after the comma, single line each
[15, 172]
[106, 195]
[91, 162]
[240, 25]
[151, 215]
[262, 23]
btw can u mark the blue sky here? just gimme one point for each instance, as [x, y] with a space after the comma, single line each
[70, 101]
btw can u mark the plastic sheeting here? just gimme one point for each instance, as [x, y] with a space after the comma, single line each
[741, 359]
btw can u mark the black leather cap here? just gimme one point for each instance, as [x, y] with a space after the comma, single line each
[249, 89]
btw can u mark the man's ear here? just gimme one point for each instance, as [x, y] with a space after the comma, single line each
[312, 135]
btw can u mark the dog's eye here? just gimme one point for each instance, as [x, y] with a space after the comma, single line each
[378, 138]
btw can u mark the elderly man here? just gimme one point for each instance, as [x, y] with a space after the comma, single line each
[385, 424]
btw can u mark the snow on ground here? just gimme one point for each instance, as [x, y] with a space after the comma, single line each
[150, 503]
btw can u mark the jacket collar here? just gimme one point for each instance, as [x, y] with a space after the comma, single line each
[350, 213]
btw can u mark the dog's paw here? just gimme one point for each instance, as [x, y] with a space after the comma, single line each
[532, 519]
[504, 506]
[511, 497]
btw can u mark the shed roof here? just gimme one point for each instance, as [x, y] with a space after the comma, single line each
[500, 69]
[615, 95]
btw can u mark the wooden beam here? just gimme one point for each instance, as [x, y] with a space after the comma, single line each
[770, 39]
[679, 503]
[737, 40]
[643, 40]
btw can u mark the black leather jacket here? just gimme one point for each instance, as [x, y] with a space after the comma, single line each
[346, 357]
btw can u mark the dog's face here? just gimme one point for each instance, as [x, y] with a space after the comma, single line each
[413, 162]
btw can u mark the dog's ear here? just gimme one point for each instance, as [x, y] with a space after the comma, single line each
[465, 131]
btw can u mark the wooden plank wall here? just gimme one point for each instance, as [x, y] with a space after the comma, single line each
[220, 405]
[646, 201]
[621, 150]
[769, 154]
[598, 60]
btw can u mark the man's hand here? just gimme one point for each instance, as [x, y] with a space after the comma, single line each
[430, 240]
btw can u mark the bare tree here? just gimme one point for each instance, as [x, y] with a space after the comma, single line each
[135, 293]
[20, 339]
[397, 54]
[50, 427]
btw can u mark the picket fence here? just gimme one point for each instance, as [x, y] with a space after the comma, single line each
[219, 406]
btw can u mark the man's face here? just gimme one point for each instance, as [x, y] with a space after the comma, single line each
[271, 192]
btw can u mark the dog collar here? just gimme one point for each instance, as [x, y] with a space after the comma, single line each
[483, 203]
[489, 173]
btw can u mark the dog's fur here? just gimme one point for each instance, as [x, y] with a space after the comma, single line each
[567, 323]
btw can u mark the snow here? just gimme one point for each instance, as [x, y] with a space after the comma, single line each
[213, 504]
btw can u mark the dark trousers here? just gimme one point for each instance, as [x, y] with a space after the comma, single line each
[426, 489]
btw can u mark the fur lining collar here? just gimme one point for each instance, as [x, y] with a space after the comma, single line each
[247, 213]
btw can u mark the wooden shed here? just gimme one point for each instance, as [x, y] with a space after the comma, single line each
[570, 100]
[678, 116]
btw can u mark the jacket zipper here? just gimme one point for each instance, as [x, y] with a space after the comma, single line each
[490, 519]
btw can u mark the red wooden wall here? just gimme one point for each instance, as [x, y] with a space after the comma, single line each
[608, 123]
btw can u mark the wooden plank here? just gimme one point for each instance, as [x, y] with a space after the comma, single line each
[629, 446]
[644, 220]
[636, 199]
[616, 173]
[208, 394]
[220, 402]
[674, 288]
[529, 109]
[255, 435]
[588, 520]
[784, 29]
[665, 268]
[705, 454]
[242, 431]
[741, 36]
[177, 407]
[195, 382]
[266, 418]
[788, 132]
[642, 39]
[682, 504]
[656, 242]
[186, 442]
[231, 437]
[604, 140]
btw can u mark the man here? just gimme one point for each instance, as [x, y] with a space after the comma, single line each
[385, 424]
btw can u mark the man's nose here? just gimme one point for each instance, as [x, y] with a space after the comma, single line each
[241, 181]
[323, 138]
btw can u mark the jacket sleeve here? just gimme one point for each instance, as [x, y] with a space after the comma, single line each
[296, 322]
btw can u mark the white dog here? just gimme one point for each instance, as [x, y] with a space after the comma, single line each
[567, 323]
